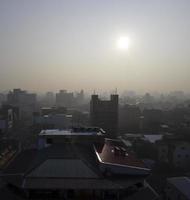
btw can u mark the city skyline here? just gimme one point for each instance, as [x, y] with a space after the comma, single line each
[48, 45]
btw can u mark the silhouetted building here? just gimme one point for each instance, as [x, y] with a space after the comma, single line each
[104, 114]
[9, 116]
[53, 110]
[153, 119]
[64, 98]
[79, 118]
[26, 102]
[80, 97]
[2, 98]
[57, 121]
[49, 99]
[129, 119]
[21, 97]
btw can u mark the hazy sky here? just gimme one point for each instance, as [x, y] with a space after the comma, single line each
[71, 44]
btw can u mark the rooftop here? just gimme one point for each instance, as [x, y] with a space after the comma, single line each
[74, 131]
[75, 165]
[152, 138]
[114, 152]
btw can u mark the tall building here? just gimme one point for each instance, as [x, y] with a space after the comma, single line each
[26, 103]
[49, 99]
[80, 97]
[129, 119]
[64, 98]
[19, 97]
[9, 116]
[2, 98]
[104, 114]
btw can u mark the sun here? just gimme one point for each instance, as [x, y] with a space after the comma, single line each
[123, 43]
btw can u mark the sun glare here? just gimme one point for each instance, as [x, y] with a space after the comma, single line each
[123, 43]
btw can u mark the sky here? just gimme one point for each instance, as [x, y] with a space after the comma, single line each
[47, 45]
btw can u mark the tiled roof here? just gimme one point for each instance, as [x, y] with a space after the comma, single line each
[63, 168]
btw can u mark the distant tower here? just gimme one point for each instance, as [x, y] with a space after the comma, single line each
[64, 99]
[104, 114]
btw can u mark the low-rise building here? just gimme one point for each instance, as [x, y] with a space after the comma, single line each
[78, 162]
[55, 121]
[176, 151]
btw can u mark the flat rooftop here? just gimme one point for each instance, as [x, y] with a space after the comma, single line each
[114, 152]
[73, 132]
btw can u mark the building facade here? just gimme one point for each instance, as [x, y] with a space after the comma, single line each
[175, 151]
[26, 103]
[104, 114]
[64, 98]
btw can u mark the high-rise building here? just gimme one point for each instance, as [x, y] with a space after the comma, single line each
[2, 98]
[129, 119]
[49, 98]
[104, 114]
[64, 98]
[26, 103]
[19, 97]
[80, 97]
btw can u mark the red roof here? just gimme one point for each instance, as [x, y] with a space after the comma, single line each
[115, 153]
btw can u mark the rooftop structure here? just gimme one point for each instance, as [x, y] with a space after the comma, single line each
[55, 121]
[115, 156]
[76, 159]
[73, 131]
[152, 138]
